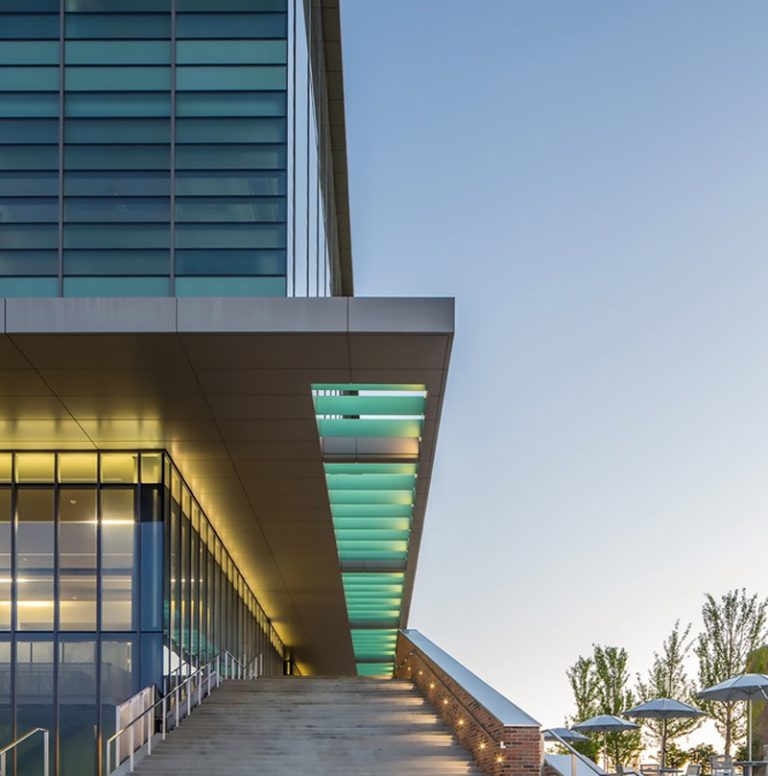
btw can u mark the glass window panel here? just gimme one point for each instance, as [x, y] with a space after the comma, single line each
[77, 559]
[29, 262]
[34, 559]
[231, 25]
[78, 709]
[231, 130]
[229, 209]
[151, 467]
[29, 25]
[29, 287]
[42, 104]
[116, 184]
[35, 467]
[20, 157]
[116, 236]
[231, 52]
[29, 79]
[115, 210]
[130, 79]
[117, 131]
[5, 560]
[234, 262]
[230, 286]
[228, 104]
[235, 157]
[6, 707]
[52, 6]
[6, 464]
[34, 699]
[28, 210]
[119, 678]
[119, 467]
[117, 52]
[29, 183]
[114, 286]
[152, 594]
[198, 79]
[234, 183]
[77, 467]
[93, 6]
[230, 5]
[184, 588]
[118, 262]
[115, 25]
[30, 130]
[112, 105]
[118, 526]
[20, 237]
[116, 157]
[220, 236]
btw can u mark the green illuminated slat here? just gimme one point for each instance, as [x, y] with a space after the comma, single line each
[365, 497]
[371, 544]
[369, 387]
[381, 523]
[369, 405]
[372, 577]
[371, 510]
[370, 481]
[368, 534]
[344, 427]
[370, 468]
[375, 670]
[345, 554]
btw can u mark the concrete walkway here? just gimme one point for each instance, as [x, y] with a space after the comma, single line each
[340, 726]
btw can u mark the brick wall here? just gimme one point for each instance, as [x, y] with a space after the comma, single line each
[476, 728]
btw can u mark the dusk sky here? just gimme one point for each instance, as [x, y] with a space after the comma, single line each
[589, 179]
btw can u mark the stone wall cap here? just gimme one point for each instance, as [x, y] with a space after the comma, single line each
[491, 700]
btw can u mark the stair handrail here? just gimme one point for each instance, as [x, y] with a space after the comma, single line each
[8, 747]
[575, 754]
[175, 693]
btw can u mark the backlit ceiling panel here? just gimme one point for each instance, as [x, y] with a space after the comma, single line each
[370, 436]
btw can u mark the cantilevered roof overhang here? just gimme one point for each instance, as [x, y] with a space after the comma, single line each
[225, 385]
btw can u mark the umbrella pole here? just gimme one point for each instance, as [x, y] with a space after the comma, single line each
[749, 730]
[663, 758]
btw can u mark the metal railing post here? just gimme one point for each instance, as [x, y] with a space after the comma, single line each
[46, 754]
[149, 732]
[2, 765]
[189, 698]
[176, 702]
[164, 718]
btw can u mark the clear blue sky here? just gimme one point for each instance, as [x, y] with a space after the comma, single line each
[589, 179]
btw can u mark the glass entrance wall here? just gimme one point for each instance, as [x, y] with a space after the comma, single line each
[111, 579]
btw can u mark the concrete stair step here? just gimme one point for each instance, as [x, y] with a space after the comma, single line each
[329, 726]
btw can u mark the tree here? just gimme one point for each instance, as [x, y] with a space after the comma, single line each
[667, 678]
[581, 677]
[733, 627]
[600, 685]
[614, 695]
[700, 755]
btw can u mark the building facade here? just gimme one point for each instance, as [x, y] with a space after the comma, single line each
[208, 446]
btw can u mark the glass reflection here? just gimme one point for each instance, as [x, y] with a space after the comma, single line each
[34, 559]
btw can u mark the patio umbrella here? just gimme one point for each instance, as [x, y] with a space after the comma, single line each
[744, 687]
[663, 709]
[564, 735]
[605, 723]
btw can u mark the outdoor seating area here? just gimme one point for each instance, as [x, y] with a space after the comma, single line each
[745, 687]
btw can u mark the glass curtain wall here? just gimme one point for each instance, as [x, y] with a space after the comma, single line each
[112, 580]
[164, 147]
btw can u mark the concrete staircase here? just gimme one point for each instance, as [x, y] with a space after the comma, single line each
[283, 726]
